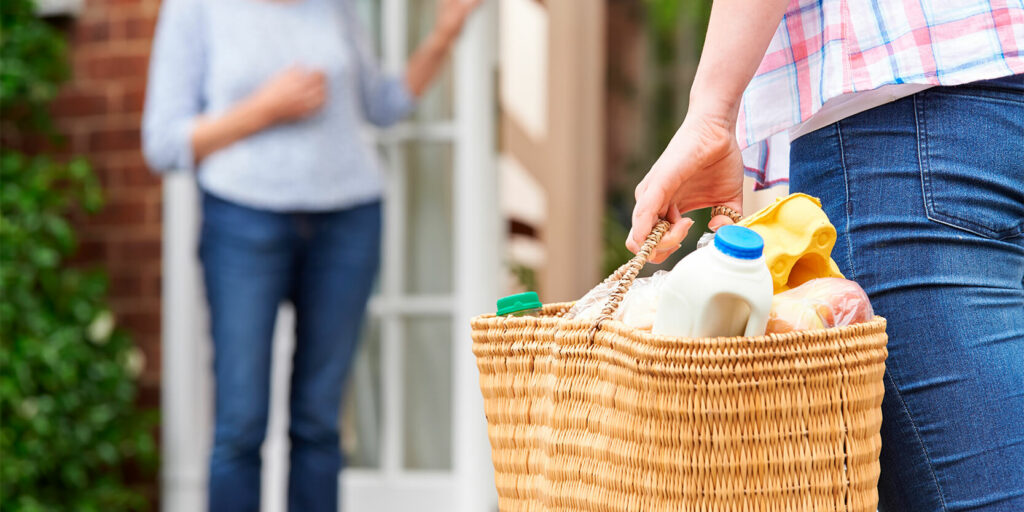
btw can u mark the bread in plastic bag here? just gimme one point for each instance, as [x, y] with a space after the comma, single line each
[637, 308]
[819, 304]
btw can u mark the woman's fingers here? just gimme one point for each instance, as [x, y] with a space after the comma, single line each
[718, 221]
[736, 204]
[673, 238]
[659, 256]
[314, 99]
[645, 216]
[670, 241]
[640, 188]
[676, 232]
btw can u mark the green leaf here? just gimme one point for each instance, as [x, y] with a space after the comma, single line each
[45, 257]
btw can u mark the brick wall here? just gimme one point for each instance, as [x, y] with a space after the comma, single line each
[99, 111]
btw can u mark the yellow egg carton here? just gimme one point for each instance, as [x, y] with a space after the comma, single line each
[798, 240]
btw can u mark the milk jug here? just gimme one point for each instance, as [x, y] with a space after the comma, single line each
[723, 289]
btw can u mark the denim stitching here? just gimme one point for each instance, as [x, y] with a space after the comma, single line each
[846, 183]
[922, 154]
[922, 144]
[920, 441]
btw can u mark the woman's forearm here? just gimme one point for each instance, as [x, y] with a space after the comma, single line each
[739, 32]
[702, 165]
[425, 63]
[428, 58]
[290, 95]
[211, 133]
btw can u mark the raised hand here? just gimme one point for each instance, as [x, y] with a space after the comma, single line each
[451, 16]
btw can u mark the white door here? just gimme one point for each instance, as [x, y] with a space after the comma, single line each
[413, 427]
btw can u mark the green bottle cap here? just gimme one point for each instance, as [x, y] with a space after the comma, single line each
[518, 302]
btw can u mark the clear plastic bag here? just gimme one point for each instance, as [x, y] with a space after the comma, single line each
[637, 308]
[589, 306]
[706, 239]
[819, 304]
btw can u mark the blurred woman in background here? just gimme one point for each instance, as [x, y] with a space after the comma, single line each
[266, 100]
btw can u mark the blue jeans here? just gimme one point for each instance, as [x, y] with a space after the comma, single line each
[927, 194]
[324, 263]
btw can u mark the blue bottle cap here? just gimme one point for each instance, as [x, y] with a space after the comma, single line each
[739, 242]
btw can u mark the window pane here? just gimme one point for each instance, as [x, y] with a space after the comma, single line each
[370, 16]
[426, 370]
[428, 217]
[361, 417]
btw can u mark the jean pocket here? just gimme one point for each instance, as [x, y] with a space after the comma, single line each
[972, 161]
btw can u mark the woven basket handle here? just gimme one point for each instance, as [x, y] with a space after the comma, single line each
[626, 274]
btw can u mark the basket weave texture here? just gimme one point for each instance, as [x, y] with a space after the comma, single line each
[585, 417]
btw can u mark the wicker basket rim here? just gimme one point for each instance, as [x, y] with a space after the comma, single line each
[549, 319]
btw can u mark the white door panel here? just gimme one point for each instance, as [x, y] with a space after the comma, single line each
[366, 491]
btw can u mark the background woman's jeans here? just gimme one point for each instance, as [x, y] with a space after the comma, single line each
[324, 263]
[927, 194]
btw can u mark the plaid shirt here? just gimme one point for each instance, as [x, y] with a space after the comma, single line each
[827, 48]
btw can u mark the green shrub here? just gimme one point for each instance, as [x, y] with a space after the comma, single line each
[33, 57]
[69, 426]
[68, 421]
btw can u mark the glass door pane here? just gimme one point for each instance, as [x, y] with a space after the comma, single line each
[437, 103]
[426, 370]
[361, 412]
[428, 217]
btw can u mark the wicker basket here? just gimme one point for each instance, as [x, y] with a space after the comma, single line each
[589, 416]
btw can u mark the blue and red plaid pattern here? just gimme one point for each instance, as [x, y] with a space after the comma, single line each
[827, 48]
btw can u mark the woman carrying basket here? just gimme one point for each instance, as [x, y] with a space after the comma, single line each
[907, 119]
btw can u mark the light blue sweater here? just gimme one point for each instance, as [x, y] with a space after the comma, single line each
[210, 54]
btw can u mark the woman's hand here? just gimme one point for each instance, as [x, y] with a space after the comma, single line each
[451, 16]
[292, 94]
[701, 167]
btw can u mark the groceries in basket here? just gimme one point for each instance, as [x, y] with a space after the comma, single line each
[720, 290]
[798, 240]
[637, 308]
[819, 304]
[714, 289]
